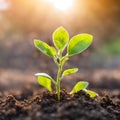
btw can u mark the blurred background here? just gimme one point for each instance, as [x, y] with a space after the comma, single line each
[23, 20]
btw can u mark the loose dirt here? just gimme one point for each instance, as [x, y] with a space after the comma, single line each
[32, 103]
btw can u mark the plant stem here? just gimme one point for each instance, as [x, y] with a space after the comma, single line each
[61, 61]
[59, 80]
[59, 75]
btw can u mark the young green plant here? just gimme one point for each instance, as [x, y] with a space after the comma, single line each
[75, 45]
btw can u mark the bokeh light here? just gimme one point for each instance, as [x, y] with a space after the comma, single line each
[3, 5]
[62, 5]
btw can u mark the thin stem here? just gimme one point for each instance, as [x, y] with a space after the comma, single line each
[59, 75]
[54, 82]
[58, 81]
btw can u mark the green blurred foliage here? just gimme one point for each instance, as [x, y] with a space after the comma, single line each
[111, 48]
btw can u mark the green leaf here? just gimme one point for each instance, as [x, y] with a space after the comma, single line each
[79, 43]
[64, 60]
[91, 93]
[45, 48]
[60, 38]
[44, 80]
[79, 86]
[53, 50]
[69, 71]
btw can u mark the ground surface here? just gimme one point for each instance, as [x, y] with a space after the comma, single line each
[29, 104]
[22, 99]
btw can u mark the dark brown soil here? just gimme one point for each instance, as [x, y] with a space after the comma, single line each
[32, 103]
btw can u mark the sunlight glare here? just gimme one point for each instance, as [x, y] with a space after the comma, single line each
[62, 5]
[4, 5]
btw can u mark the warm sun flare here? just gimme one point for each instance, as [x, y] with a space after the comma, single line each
[62, 5]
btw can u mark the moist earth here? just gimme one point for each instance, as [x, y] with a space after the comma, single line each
[33, 103]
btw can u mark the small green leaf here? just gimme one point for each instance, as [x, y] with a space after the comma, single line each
[45, 48]
[44, 80]
[64, 60]
[79, 43]
[91, 93]
[69, 71]
[60, 38]
[79, 86]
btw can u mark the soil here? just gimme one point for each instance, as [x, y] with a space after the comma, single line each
[33, 103]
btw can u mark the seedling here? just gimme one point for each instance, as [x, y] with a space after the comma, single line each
[75, 45]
